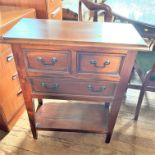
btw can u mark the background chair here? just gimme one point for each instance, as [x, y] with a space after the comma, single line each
[145, 61]
[95, 7]
[145, 67]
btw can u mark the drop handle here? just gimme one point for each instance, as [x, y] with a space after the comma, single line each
[92, 89]
[105, 63]
[9, 57]
[54, 86]
[19, 92]
[52, 62]
[55, 12]
[15, 76]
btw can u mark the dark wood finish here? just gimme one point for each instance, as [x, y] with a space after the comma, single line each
[86, 38]
[80, 34]
[96, 7]
[72, 117]
[72, 87]
[48, 60]
[99, 63]
[51, 9]
[11, 98]
[125, 75]
[69, 14]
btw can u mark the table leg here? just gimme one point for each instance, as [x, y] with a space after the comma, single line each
[25, 85]
[121, 89]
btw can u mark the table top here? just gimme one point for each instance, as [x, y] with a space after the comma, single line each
[112, 34]
[142, 11]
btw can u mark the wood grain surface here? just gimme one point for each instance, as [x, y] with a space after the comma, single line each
[129, 138]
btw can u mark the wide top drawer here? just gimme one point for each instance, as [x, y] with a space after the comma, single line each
[47, 60]
[99, 63]
[69, 86]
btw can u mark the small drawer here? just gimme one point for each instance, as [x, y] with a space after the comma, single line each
[48, 60]
[55, 13]
[8, 74]
[9, 85]
[12, 103]
[4, 47]
[8, 64]
[51, 4]
[73, 87]
[18, 99]
[98, 63]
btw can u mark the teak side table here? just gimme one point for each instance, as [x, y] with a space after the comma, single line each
[74, 61]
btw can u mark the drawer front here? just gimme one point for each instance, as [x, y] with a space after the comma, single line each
[8, 64]
[8, 74]
[98, 63]
[10, 94]
[51, 4]
[56, 13]
[4, 47]
[74, 87]
[11, 105]
[48, 61]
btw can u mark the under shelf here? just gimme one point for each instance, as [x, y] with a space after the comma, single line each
[72, 117]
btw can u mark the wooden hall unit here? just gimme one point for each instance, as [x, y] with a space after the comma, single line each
[74, 61]
[11, 98]
[51, 9]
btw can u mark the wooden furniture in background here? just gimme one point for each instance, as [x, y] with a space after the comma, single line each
[51, 9]
[95, 7]
[148, 84]
[69, 14]
[77, 61]
[145, 67]
[11, 98]
[139, 13]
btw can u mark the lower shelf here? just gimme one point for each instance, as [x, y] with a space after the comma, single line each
[72, 117]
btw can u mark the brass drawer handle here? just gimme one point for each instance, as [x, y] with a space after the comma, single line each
[146, 29]
[94, 63]
[53, 61]
[92, 89]
[55, 12]
[19, 92]
[15, 76]
[9, 57]
[52, 87]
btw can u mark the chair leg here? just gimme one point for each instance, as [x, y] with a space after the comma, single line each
[141, 95]
[108, 138]
[40, 102]
[140, 99]
[144, 85]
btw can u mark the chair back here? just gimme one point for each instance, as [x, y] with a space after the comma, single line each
[96, 7]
